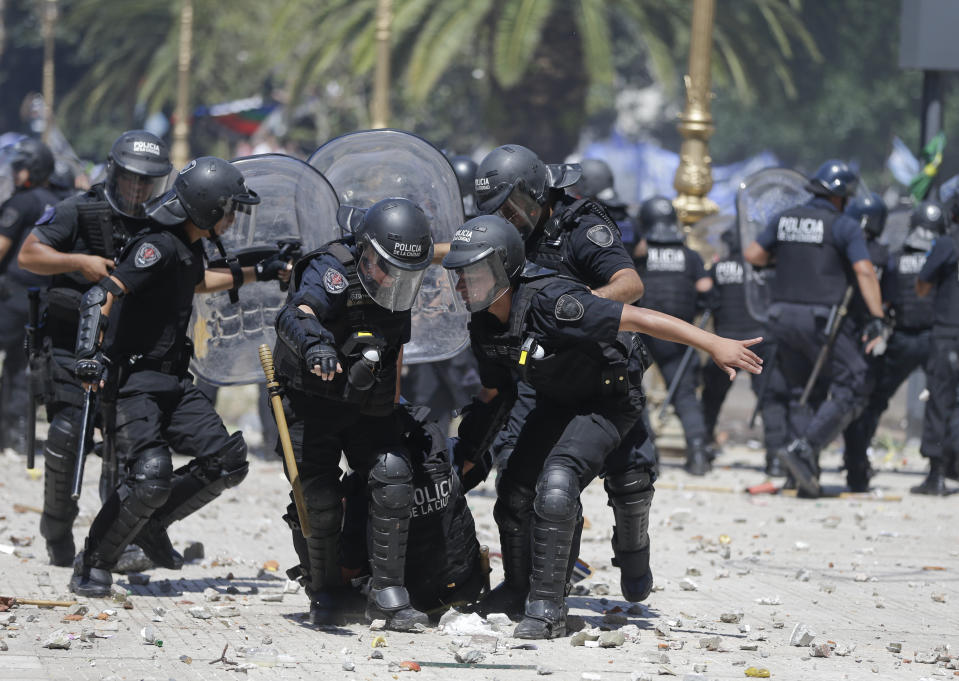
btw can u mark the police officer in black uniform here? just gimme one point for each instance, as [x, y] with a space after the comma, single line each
[465, 169]
[32, 165]
[940, 275]
[676, 281]
[339, 349]
[819, 252]
[577, 238]
[158, 406]
[527, 322]
[870, 212]
[596, 184]
[732, 320]
[77, 243]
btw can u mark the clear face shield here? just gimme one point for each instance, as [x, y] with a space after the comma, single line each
[390, 285]
[128, 191]
[481, 283]
[521, 210]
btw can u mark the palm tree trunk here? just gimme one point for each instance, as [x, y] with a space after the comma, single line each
[49, 43]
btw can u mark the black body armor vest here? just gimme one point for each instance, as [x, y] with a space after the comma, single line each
[670, 288]
[732, 316]
[809, 268]
[912, 312]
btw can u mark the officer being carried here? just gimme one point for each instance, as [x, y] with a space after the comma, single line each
[820, 258]
[158, 406]
[338, 353]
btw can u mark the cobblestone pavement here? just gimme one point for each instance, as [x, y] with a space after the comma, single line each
[873, 578]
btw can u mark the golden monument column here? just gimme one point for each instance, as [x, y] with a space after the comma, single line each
[49, 44]
[380, 110]
[693, 177]
[180, 153]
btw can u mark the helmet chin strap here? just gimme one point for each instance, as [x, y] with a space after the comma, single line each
[234, 264]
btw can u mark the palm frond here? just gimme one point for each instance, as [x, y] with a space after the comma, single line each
[518, 33]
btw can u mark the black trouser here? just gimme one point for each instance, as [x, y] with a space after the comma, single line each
[668, 357]
[942, 374]
[263, 409]
[842, 389]
[13, 382]
[443, 386]
[907, 351]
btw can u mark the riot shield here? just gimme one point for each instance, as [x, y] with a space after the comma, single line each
[297, 208]
[711, 229]
[7, 184]
[897, 227]
[365, 167]
[760, 197]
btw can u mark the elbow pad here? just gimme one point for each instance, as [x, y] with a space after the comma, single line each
[92, 322]
[300, 331]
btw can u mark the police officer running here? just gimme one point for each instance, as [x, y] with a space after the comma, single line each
[820, 257]
[158, 406]
[528, 322]
[675, 280]
[32, 164]
[338, 354]
[596, 184]
[77, 243]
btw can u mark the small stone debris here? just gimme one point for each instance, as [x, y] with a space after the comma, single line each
[138, 579]
[894, 647]
[844, 649]
[543, 670]
[348, 666]
[663, 630]
[599, 589]
[939, 597]
[693, 572]
[291, 587]
[3, 646]
[590, 676]
[7, 618]
[926, 657]
[820, 650]
[376, 655]
[826, 587]
[861, 577]
[639, 676]
[484, 643]
[211, 595]
[801, 546]
[700, 667]
[801, 635]
[58, 640]
[615, 619]
[377, 625]
[194, 551]
[769, 600]
[226, 611]
[470, 656]
[712, 643]
[665, 670]
[148, 635]
[831, 521]
[686, 584]
[749, 646]
[611, 639]
[272, 598]
[200, 612]
[802, 575]
[731, 617]
[118, 593]
[581, 637]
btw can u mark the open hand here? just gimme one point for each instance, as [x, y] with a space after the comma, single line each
[730, 355]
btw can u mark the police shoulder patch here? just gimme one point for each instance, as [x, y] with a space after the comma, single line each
[147, 255]
[568, 309]
[9, 217]
[48, 214]
[601, 235]
[334, 281]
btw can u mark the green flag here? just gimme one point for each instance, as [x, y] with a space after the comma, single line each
[931, 159]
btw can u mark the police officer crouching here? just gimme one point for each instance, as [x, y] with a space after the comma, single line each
[552, 332]
[158, 406]
[338, 353]
[819, 254]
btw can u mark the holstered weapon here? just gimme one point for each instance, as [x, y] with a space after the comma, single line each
[683, 365]
[276, 401]
[836, 316]
[31, 342]
[86, 425]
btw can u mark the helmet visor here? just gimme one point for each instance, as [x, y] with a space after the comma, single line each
[390, 285]
[127, 191]
[521, 210]
[482, 282]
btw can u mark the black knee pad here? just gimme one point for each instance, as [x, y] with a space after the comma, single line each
[324, 505]
[62, 440]
[152, 476]
[557, 495]
[391, 468]
[391, 485]
[233, 463]
[627, 483]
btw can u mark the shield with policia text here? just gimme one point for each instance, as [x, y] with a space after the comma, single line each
[296, 214]
[365, 167]
[760, 197]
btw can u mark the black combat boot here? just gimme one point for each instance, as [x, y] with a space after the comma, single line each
[774, 469]
[88, 580]
[697, 458]
[858, 476]
[156, 544]
[935, 482]
[630, 496]
[802, 461]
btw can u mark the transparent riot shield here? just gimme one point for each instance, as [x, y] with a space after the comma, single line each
[712, 228]
[7, 184]
[365, 167]
[760, 197]
[296, 214]
[897, 227]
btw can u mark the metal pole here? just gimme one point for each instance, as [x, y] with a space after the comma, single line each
[49, 43]
[694, 176]
[380, 113]
[180, 153]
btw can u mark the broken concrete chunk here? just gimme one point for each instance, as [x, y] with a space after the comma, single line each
[470, 656]
[820, 650]
[611, 639]
[801, 635]
[58, 640]
[686, 584]
[711, 642]
[194, 551]
[200, 612]
[731, 617]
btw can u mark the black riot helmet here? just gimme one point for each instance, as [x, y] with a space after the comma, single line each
[465, 169]
[834, 178]
[731, 239]
[596, 182]
[658, 221]
[36, 158]
[205, 191]
[137, 171]
[870, 212]
[487, 255]
[927, 222]
[394, 247]
[514, 183]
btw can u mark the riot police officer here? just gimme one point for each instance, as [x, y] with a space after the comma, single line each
[586, 376]
[577, 238]
[596, 184]
[32, 163]
[675, 277]
[820, 254]
[940, 274]
[732, 320]
[465, 169]
[77, 243]
[339, 348]
[158, 406]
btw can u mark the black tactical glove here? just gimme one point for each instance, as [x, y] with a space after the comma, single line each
[269, 268]
[875, 328]
[708, 300]
[90, 370]
[478, 472]
[322, 355]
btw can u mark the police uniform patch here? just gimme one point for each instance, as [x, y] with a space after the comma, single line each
[568, 309]
[147, 255]
[334, 281]
[601, 235]
[48, 214]
[9, 217]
